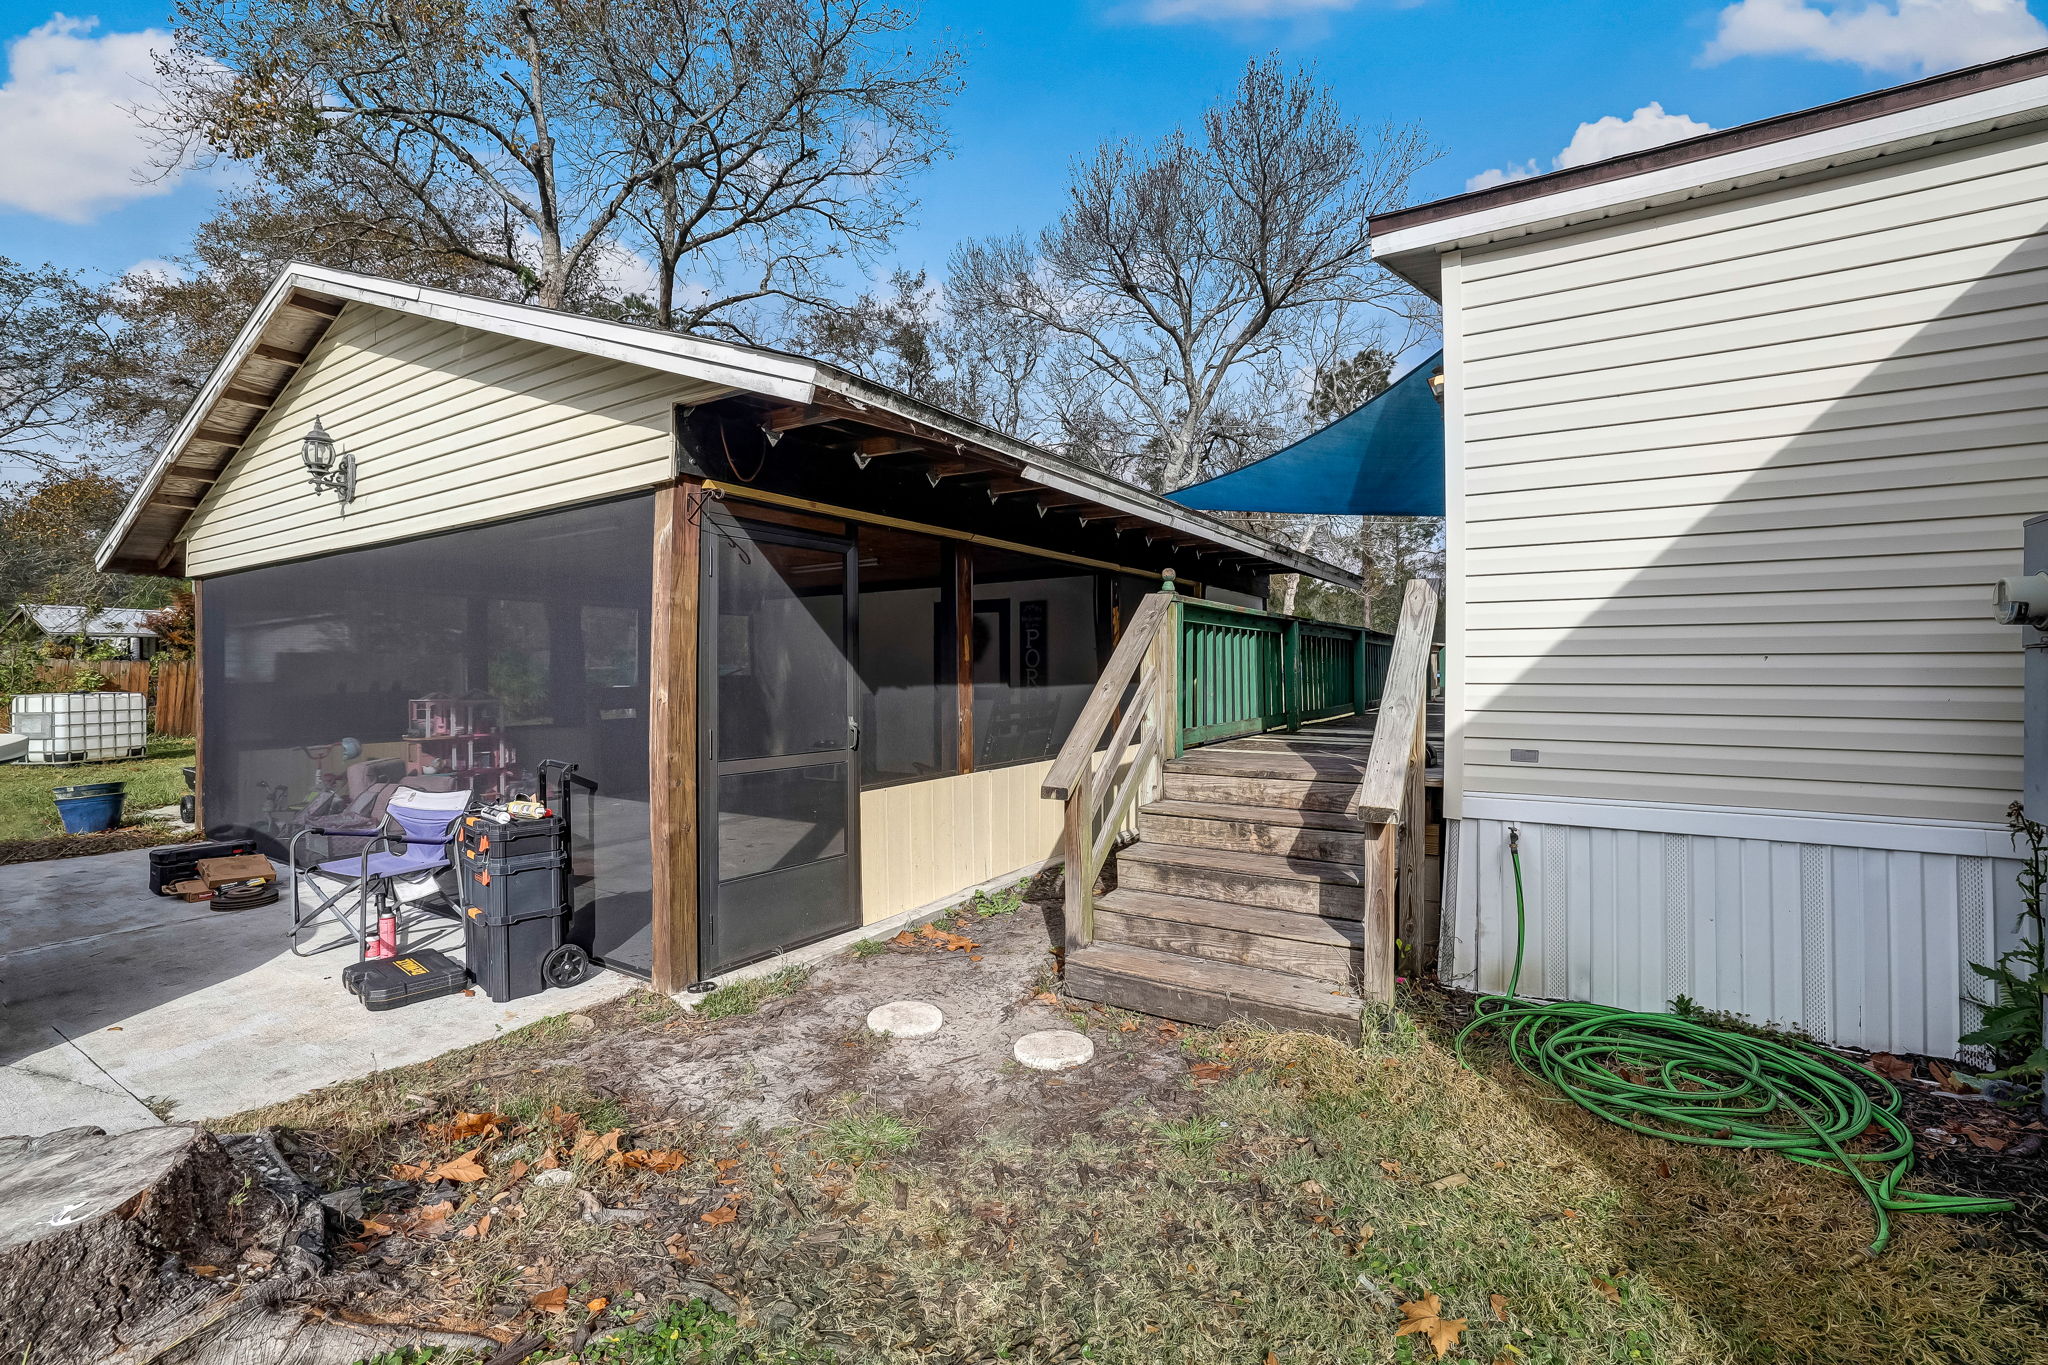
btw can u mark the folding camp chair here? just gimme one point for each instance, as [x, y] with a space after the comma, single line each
[352, 891]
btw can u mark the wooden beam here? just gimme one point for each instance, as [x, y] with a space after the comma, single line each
[279, 354]
[182, 501]
[793, 416]
[672, 734]
[208, 474]
[232, 394]
[326, 308]
[221, 436]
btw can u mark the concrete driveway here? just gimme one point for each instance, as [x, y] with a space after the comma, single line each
[121, 1009]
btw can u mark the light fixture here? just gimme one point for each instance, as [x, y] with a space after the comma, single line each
[1436, 387]
[328, 470]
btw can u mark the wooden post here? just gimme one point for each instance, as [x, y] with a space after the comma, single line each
[1361, 672]
[1377, 873]
[672, 734]
[1414, 826]
[1079, 905]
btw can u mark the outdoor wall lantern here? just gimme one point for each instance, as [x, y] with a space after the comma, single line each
[1436, 387]
[327, 469]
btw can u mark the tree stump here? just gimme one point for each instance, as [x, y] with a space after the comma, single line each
[99, 1235]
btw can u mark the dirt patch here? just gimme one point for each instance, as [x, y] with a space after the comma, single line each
[788, 1062]
[641, 1185]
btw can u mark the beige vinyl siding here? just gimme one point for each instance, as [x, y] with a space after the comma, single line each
[1735, 479]
[923, 841]
[449, 427]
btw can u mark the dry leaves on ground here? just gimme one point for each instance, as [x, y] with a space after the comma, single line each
[1890, 1067]
[1499, 1304]
[591, 1146]
[466, 1125]
[1424, 1317]
[659, 1160]
[724, 1213]
[554, 1300]
[462, 1169]
[1209, 1071]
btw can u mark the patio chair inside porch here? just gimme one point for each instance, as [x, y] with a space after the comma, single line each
[399, 867]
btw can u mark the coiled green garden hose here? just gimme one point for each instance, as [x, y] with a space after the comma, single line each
[1677, 1078]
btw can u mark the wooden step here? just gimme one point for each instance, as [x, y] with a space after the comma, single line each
[1303, 885]
[1252, 831]
[1285, 764]
[1199, 992]
[1276, 793]
[1274, 815]
[1250, 936]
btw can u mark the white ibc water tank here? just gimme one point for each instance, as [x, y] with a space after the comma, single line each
[81, 727]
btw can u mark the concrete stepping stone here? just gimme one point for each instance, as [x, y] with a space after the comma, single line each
[1053, 1049]
[906, 1019]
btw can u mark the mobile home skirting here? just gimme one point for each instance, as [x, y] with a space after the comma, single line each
[1860, 933]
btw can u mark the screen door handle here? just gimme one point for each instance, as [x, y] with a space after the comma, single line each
[853, 733]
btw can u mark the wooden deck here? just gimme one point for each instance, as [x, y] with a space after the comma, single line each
[1241, 898]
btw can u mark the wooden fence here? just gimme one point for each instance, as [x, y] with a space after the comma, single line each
[171, 685]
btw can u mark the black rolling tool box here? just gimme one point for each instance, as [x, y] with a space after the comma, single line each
[176, 863]
[385, 983]
[513, 870]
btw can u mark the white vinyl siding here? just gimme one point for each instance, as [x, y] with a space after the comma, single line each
[1735, 479]
[449, 427]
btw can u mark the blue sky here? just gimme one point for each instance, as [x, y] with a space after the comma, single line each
[1505, 88]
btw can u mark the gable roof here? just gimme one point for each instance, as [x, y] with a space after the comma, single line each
[304, 301]
[1944, 108]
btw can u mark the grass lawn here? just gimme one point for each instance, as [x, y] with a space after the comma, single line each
[28, 814]
[1238, 1197]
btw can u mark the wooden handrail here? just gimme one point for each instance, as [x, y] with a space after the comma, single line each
[1101, 708]
[1390, 797]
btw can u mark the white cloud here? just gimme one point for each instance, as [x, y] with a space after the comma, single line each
[1604, 137]
[69, 148]
[1901, 36]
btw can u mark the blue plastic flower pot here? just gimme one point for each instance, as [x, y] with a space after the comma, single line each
[85, 810]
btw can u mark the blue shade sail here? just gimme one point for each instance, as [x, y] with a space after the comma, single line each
[1384, 459]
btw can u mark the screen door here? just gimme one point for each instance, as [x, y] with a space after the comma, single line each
[780, 790]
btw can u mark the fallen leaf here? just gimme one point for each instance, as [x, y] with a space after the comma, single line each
[1127, 1026]
[204, 1269]
[1499, 1304]
[1890, 1067]
[1391, 1167]
[515, 1173]
[554, 1300]
[679, 1247]
[596, 1146]
[974, 957]
[720, 1216]
[657, 1160]
[483, 1226]
[403, 1171]
[726, 1163]
[1571, 1213]
[1450, 1182]
[377, 1227]
[1608, 1287]
[1209, 1071]
[1272, 1359]
[1046, 998]
[1979, 1138]
[466, 1125]
[598, 1304]
[952, 943]
[548, 1160]
[462, 1170]
[1310, 1187]
[1424, 1317]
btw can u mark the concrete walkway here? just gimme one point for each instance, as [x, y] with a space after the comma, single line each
[118, 1007]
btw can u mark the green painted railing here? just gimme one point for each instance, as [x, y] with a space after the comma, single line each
[1244, 671]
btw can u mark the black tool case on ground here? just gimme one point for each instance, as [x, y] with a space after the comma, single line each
[514, 879]
[385, 983]
[176, 863]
